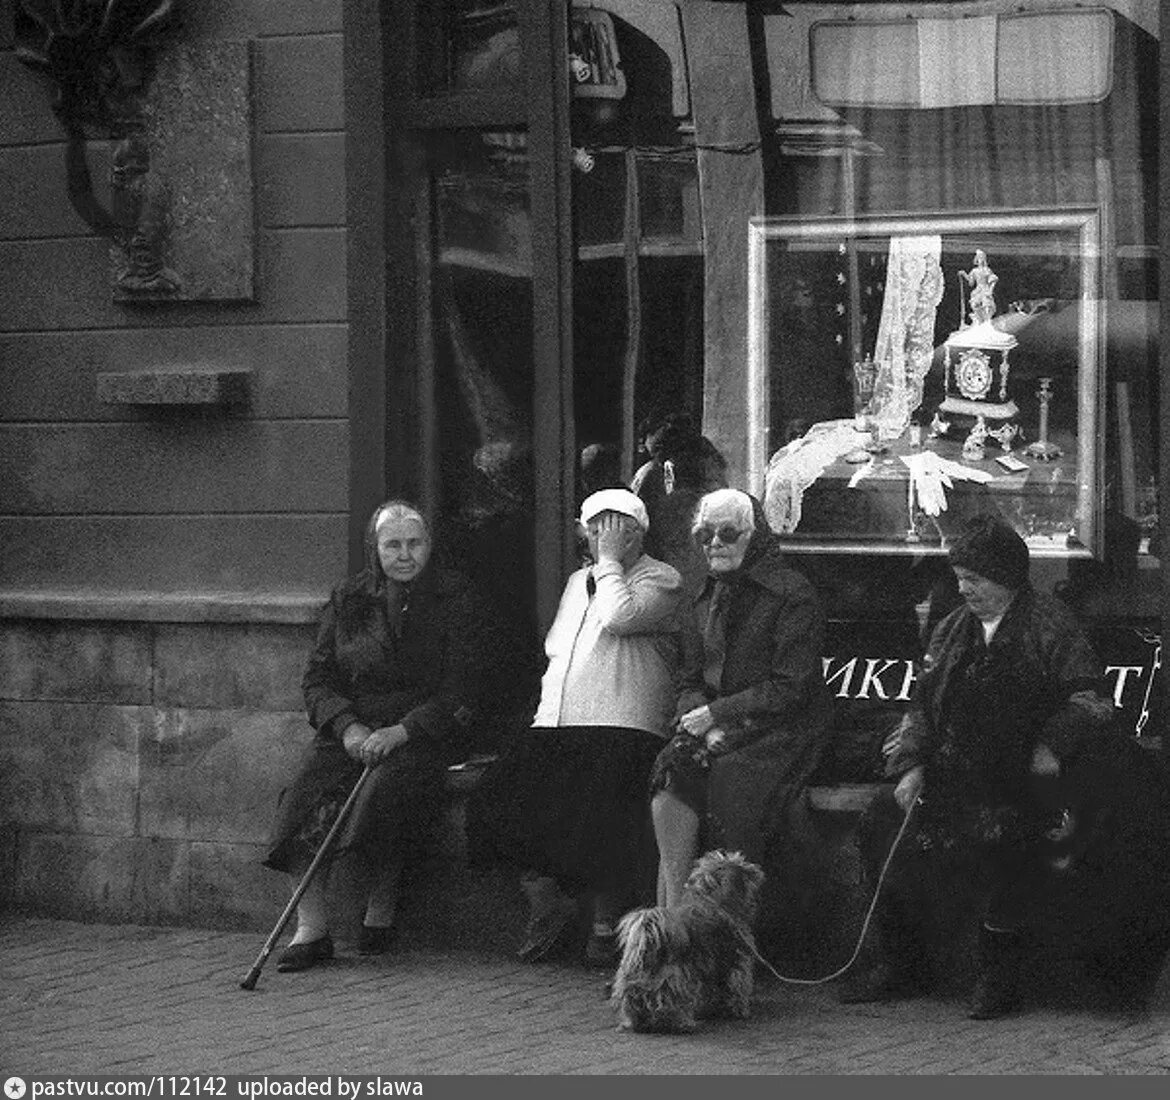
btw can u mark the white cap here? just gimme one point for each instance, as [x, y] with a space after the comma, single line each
[621, 501]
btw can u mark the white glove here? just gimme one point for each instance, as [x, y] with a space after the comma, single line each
[931, 476]
[928, 481]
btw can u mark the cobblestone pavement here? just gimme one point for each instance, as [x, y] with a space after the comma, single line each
[78, 998]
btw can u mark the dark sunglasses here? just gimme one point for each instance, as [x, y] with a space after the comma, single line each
[727, 534]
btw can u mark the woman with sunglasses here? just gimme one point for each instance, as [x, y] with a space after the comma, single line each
[754, 711]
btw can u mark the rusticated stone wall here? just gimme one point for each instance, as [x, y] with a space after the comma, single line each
[140, 763]
[141, 759]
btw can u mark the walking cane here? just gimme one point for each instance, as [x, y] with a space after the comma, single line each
[249, 982]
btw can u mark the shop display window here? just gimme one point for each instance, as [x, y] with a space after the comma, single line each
[908, 372]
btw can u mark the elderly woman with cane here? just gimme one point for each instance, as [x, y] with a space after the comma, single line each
[398, 676]
[754, 712]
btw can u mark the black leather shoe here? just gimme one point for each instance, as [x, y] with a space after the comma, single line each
[300, 956]
[548, 931]
[377, 940]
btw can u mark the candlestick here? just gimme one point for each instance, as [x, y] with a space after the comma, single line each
[1043, 449]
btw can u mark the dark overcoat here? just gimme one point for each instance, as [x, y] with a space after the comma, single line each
[433, 673]
[430, 665]
[771, 702]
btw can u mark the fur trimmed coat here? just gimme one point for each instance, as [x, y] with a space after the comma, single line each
[980, 709]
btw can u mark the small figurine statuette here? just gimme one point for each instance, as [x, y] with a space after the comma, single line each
[981, 279]
[1005, 435]
[973, 450]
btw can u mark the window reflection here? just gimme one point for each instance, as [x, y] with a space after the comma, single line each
[469, 44]
[639, 282]
[993, 114]
[919, 110]
[483, 384]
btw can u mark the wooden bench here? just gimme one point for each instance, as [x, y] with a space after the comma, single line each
[482, 906]
[464, 777]
[845, 797]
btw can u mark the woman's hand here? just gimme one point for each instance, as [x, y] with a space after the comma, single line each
[354, 738]
[697, 722]
[909, 788]
[381, 743]
[612, 538]
[716, 740]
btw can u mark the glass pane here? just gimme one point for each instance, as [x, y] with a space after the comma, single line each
[481, 286]
[668, 202]
[899, 383]
[1036, 143]
[638, 285]
[1035, 57]
[923, 114]
[888, 78]
[468, 44]
[1054, 57]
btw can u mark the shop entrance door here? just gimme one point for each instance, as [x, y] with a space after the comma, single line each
[458, 161]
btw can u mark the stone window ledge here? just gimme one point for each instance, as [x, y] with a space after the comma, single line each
[184, 384]
[172, 607]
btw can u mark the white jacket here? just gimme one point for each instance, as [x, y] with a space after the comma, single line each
[612, 656]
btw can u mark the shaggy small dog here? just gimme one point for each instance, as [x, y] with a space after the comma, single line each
[694, 960]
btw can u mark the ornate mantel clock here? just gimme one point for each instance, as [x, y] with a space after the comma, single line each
[976, 370]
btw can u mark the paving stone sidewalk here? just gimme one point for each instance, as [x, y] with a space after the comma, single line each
[78, 998]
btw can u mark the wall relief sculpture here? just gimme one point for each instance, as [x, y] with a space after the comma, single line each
[177, 113]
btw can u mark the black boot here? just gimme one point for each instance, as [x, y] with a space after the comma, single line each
[997, 990]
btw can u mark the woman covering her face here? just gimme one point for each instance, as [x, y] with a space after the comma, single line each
[567, 801]
[400, 674]
[753, 713]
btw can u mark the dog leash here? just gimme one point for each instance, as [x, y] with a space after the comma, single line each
[877, 890]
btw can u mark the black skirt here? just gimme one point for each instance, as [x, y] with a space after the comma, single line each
[396, 806]
[570, 802]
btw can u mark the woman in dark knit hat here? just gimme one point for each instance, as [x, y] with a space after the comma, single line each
[1006, 752]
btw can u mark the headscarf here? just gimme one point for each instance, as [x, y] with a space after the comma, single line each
[761, 542]
[720, 588]
[372, 578]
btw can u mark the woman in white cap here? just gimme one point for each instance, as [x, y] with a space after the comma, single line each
[568, 800]
[403, 666]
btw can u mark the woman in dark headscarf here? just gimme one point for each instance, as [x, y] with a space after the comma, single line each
[1053, 827]
[398, 676]
[754, 711]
